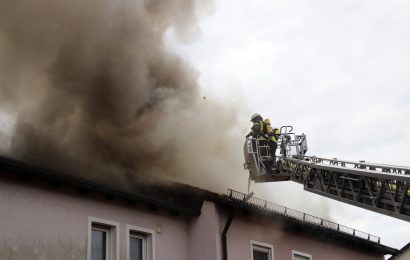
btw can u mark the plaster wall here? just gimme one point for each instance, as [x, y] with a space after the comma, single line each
[404, 256]
[204, 236]
[245, 229]
[52, 223]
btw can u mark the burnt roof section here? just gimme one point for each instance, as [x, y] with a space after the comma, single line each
[183, 199]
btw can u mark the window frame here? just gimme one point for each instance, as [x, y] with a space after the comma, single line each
[301, 254]
[262, 246]
[148, 236]
[112, 230]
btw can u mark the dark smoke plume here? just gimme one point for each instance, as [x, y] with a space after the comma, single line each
[96, 92]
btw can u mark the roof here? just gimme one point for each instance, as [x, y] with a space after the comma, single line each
[304, 222]
[184, 199]
[171, 196]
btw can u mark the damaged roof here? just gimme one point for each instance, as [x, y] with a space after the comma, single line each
[184, 199]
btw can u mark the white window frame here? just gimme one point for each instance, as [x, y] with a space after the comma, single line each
[148, 236]
[301, 254]
[262, 246]
[113, 234]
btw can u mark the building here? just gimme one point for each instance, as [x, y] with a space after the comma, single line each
[47, 215]
[403, 255]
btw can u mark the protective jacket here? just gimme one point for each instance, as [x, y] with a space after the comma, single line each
[257, 131]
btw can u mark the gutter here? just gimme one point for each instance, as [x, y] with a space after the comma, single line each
[224, 232]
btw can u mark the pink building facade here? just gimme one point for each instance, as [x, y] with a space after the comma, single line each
[45, 215]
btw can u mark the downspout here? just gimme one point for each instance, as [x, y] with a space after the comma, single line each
[224, 232]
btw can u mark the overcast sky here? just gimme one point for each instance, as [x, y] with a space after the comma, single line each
[335, 70]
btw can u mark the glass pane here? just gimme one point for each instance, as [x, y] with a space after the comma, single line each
[98, 245]
[258, 255]
[135, 248]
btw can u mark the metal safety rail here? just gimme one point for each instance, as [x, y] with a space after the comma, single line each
[381, 188]
[291, 213]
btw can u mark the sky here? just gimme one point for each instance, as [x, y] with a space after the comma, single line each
[335, 70]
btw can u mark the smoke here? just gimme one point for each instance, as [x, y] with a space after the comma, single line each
[94, 91]
[91, 88]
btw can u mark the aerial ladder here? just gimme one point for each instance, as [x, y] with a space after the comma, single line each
[378, 187]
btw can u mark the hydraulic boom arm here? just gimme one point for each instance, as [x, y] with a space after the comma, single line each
[381, 188]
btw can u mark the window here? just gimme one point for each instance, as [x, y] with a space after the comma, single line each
[138, 246]
[300, 256]
[261, 251]
[102, 237]
[140, 243]
[100, 242]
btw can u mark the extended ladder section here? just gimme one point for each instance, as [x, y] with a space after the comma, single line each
[381, 188]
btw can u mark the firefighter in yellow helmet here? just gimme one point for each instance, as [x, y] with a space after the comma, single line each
[273, 136]
[265, 134]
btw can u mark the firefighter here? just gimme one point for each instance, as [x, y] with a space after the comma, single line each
[257, 130]
[268, 128]
[273, 136]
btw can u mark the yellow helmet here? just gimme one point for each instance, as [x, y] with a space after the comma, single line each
[267, 121]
